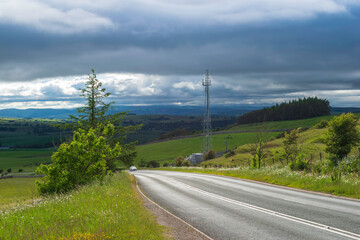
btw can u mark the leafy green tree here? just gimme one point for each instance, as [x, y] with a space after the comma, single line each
[259, 155]
[78, 162]
[291, 145]
[342, 136]
[259, 148]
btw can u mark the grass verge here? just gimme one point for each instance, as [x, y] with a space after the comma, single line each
[103, 210]
[348, 186]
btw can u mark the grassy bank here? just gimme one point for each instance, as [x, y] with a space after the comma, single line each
[348, 186]
[107, 210]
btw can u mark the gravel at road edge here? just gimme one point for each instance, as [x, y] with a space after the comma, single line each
[178, 230]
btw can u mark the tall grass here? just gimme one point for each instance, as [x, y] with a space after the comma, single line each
[17, 191]
[102, 210]
[348, 186]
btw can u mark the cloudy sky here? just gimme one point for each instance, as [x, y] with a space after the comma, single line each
[148, 52]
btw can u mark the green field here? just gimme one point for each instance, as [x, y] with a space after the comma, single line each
[17, 191]
[169, 150]
[26, 159]
[30, 133]
[110, 209]
[303, 123]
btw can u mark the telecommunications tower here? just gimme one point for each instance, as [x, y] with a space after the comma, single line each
[207, 140]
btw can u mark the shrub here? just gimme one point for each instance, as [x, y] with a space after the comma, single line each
[165, 164]
[179, 160]
[9, 170]
[300, 164]
[186, 163]
[230, 153]
[153, 164]
[350, 165]
[342, 136]
[209, 155]
[322, 124]
[143, 163]
[20, 170]
[79, 162]
[1, 171]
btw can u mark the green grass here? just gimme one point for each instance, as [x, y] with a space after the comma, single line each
[107, 210]
[17, 191]
[348, 186]
[280, 124]
[169, 150]
[26, 159]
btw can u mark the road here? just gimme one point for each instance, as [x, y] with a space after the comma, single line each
[228, 208]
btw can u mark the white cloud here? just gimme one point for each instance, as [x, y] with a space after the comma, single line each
[46, 17]
[91, 15]
[188, 85]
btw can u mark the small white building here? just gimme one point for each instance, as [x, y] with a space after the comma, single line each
[195, 158]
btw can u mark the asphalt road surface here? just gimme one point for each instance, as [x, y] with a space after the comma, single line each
[227, 208]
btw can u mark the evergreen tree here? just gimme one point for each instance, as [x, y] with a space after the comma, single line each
[95, 115]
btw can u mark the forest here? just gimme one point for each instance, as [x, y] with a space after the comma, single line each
[296, 109]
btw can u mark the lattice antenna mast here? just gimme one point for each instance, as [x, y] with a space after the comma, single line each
[207, 139]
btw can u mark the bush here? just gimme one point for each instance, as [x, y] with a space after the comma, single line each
[300, 164]
[230, 153]
[20, 170]
[1, 171]
[143, 163]
[342, 136]
[186, 163]
[350, 165]
[153, 164]
[209, 155]
[179, 160]
[322, 124]
[79, 162]
[9, 170]
[165, 164]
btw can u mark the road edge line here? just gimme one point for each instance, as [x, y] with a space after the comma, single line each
[181, 220]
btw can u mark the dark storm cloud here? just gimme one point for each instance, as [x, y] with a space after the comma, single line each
[275, 53]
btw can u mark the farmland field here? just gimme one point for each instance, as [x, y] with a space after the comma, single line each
[26, 159]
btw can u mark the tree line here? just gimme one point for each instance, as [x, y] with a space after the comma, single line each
[292, 110]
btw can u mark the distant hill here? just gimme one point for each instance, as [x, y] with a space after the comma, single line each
[149, 110]
[138, 110]
[339, 110]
